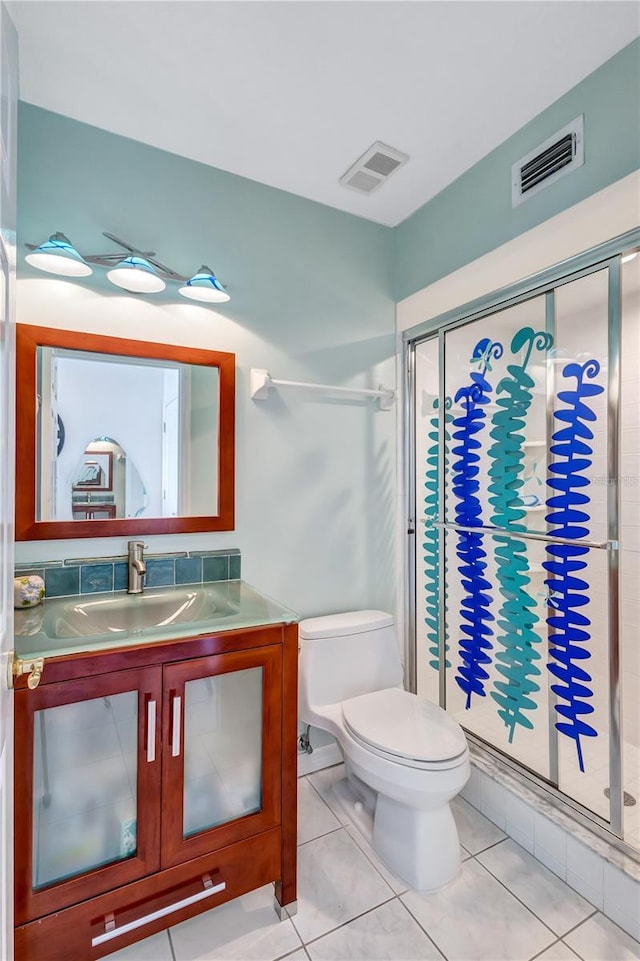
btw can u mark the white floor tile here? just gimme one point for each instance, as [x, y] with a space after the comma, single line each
[476, 919]
[546, 895]
[394, 882]
[314, 817]
[476, 832]
[300, 955]
[323, 782]
[387, 932]
[336, 883]
[558, 952]
[245, 929]
[155, 948]
[599, 939]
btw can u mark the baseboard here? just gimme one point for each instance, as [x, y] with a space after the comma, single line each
[325, 756]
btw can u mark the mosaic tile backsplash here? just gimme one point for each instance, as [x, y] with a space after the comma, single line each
[94, 575]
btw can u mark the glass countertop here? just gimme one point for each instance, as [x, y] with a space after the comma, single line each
[99, 622]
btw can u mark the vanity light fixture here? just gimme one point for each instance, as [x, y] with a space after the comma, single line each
[136, 275]
[206, 287]
[58, 256]
[138, 272]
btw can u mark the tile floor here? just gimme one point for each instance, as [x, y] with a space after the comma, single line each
[505, 906]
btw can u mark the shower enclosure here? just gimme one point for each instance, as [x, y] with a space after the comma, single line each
[523, 452]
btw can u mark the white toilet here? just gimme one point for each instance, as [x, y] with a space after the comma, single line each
[405, 758]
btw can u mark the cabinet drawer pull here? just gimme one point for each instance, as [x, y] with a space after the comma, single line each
[111, 932]
[175, 726]
[151, 731]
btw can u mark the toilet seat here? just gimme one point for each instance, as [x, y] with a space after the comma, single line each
[404, 728]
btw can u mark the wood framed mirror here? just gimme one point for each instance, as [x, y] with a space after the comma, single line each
[117, 436]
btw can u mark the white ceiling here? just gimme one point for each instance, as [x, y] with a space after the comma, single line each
[291, 93]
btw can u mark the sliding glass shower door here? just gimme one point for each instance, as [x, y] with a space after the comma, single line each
[515, 435]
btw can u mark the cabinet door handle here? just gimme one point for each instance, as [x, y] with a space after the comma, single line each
[151, 731]
[114, 932]
[175, 725]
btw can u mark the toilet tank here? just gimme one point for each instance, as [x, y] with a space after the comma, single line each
[345, 655]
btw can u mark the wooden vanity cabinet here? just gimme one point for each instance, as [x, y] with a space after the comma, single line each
[150, 784]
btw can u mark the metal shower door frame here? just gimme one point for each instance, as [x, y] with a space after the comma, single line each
[606, 256]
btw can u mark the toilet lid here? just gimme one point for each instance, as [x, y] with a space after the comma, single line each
[399, 723]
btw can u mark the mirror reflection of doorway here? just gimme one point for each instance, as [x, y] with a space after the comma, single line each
[106, 483]
[171, 444]
[163, 415]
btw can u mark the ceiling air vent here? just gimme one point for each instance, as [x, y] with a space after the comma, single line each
[556, 157]
[373, 168]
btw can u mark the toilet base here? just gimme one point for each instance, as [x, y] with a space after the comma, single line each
[420, 847]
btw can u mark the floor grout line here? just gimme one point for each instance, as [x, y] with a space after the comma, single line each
[326, 834]
[514, 895]
[548, 947]
[344, 923]
[375, 866]
[422, 928]
[575, 928]
[489, 846]
[315, 789]
[171, 947]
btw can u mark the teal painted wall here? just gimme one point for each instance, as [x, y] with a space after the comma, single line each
[474, 215]
[312, 299]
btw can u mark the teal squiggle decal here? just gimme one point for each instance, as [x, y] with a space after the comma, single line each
[431, 538]
[516, 619]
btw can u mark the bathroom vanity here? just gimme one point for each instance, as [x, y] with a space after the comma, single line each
[155, 763]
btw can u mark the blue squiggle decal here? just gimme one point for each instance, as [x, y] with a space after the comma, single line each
[431, 544]
[516, 619]
[475, 614]
[568, 519]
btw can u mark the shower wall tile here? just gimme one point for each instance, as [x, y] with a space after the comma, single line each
[550, 845]
[471, 792]
[622, 900]
[519, 822]
[585, 872]
[494, 801]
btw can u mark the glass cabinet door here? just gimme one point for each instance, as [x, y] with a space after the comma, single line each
[84, 786]
[222, 749]
[95, 753]
[222, 760]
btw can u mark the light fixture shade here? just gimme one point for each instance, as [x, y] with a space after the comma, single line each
[57, 256]
[205, 286]
[136, 275]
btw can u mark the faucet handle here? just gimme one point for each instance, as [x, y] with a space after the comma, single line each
[136, 545]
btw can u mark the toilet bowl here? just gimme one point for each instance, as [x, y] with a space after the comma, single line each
[405, 758]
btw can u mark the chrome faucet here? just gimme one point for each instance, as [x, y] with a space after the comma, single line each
[137, 567]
